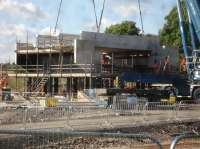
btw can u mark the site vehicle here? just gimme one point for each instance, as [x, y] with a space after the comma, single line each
[164, 85]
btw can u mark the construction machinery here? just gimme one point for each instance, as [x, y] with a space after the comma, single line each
[163, 85]
[193, 59]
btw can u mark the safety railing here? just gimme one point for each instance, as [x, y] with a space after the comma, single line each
[65, 68]
[186, 141]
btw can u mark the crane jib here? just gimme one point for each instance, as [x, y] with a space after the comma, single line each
[193, 6]
[182, 28]
[193, 59]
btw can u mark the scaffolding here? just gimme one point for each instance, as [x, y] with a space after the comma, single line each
[53, 72]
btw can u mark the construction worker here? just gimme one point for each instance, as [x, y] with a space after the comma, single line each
[42, 89]
[4, 81]
[156, 67]
[1, 83]
[167, 64]
[183, 65]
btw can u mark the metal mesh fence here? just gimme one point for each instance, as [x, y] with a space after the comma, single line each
[88, 114]
[90, 117]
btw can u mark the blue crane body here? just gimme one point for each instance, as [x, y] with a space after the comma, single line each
[193, 60]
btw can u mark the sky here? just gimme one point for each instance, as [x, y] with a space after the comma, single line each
[28, 18]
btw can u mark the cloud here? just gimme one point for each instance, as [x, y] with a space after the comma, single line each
[91, 26]
[9, 34]
[49, 31]
[129, 8]
[2, 46]
[12, 32]
[26, 10]
[106, 23]
[126, 10]
[12, 29]
[7, 52]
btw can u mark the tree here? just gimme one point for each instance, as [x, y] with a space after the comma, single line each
[124, 28]
[170, 34]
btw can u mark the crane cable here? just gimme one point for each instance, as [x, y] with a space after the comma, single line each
[59, 9]
[141, 19]
[102, 11]
[98, 22]
[95, 13]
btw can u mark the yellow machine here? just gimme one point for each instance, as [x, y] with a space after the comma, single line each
[172, 99]
[51, 102]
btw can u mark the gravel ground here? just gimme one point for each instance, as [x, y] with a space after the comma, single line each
[163, 132]
[74, 143]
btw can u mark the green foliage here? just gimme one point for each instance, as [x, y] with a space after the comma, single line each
[124, 28]
[170, 34]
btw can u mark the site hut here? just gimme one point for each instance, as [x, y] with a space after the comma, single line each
[66, 64]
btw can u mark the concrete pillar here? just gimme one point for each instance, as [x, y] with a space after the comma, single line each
[110, 82]
[49, 86]
[68, 87]
[90, 81]
[132, 61]
[25, 84]
[16, 83]
[112, 62]
[28, 84]
[62, 87]
[101, 69]
[53, 86]
[85, 82]
[71, 88]
[78, 84]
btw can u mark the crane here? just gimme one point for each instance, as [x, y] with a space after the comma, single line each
[193, 59]
[57, 19]
[176, 85]
[141, 18]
